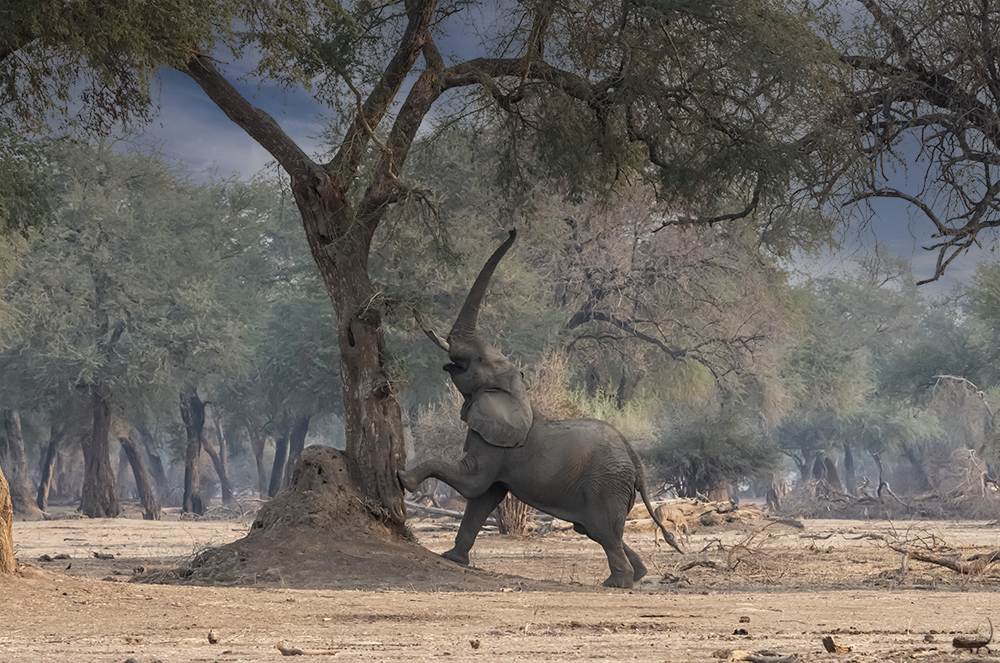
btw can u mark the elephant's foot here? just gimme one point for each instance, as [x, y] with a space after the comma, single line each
[456, 556]
[408, 479]
[621, 582]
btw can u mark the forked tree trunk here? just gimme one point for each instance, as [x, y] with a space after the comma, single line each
[98, 499]
[372, 417]
[193, 414]
[163, 491]
[278, 467]
[56, 433]
[12, 452]
[7, 562]
[296, 442]
[219, 460]
[150, 507]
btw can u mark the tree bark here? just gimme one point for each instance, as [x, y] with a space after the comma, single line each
[98, 499]
[7, 562]
[278, 467]
[219, 460]
[56, 434]
[150, 507]
[16, 463]
[193, 414]
[296, 442]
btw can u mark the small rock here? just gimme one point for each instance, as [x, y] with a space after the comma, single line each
[213, 637]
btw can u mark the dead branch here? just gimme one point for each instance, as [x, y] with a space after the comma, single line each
[975, 565]
[831, 646]
[288, 650]
[708, 564]
[870, 535]
[434, 511]
[762, 657]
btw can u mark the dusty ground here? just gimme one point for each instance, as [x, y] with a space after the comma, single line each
[785, 588]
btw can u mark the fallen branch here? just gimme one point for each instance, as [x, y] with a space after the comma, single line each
[288, 650]
[762, 657]
[707, 563]
[976, 564]
[831, 646]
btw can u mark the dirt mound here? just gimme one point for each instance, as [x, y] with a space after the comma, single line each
[319, 533]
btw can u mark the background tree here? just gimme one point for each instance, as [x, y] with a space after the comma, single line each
[101, 315]
[923, 94]
[715, 100]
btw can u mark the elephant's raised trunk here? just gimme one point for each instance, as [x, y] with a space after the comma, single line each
[465, 325]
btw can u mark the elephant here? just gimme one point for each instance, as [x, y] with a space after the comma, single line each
[583, 470]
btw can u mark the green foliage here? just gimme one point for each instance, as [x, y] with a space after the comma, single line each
[92, 62]
[96, 303]
[24, 173]
[700, 449]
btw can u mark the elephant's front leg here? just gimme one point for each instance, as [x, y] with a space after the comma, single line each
[477, 510]
[467, 476]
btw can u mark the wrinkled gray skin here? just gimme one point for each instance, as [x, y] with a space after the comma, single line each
[583, 470]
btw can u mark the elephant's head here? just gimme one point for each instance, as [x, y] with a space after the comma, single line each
[496, 401]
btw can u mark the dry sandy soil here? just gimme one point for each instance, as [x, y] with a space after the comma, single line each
[775, 590]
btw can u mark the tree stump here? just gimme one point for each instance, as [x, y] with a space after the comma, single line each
[512, 516]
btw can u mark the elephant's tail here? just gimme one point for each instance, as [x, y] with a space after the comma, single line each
[640, 485]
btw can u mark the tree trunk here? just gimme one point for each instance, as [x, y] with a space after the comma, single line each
[296, 442]
[16, 462]
[193, 414]
[372, 418]
[123, 486]
[221, 467]
[278, 468]
[7, 563]
[150, 507]
[258, 441]
[219, 460]
[56, 433]
[98, 499]
[850, 474]
[163, 491]
[923, 477]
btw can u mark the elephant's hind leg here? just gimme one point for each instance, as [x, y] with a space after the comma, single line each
[638, 568]
[477, 510]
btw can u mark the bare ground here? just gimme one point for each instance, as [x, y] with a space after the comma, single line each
[785, 588]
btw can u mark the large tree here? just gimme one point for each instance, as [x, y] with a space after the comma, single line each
[923, 97]
[709, 101]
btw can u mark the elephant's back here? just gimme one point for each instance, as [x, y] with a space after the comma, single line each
[589, 443]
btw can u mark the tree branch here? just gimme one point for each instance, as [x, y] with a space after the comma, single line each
[258, 124]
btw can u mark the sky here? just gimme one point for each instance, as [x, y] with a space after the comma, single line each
[191, 130]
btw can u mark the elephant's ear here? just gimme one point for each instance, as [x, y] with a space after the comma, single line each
[501, 418]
